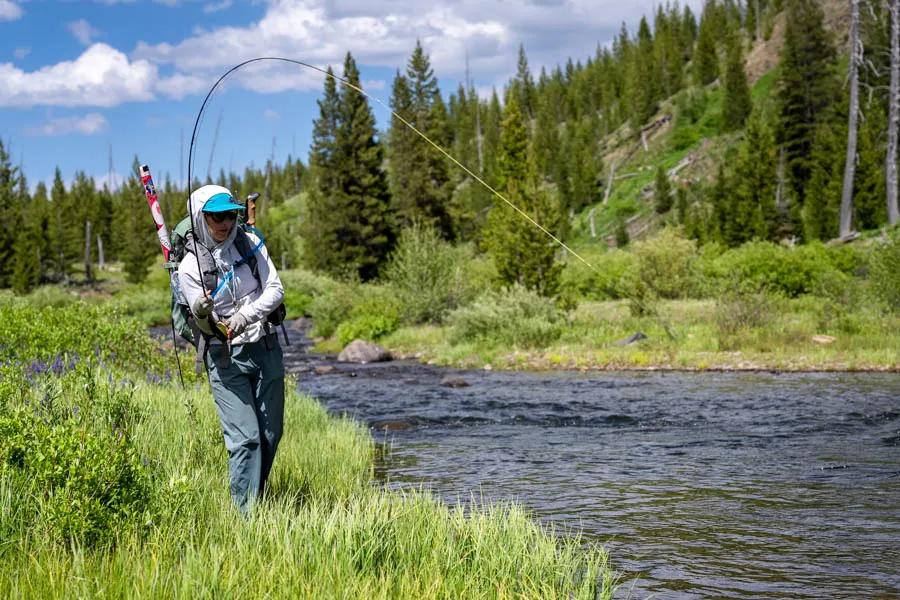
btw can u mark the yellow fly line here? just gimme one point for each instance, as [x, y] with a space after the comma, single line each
[404, 121]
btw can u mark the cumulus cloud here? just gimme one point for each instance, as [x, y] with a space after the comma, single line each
[384, 32]
[486, 34]
[89, 124]
[10, 11]
[83, 31]
[101, 76]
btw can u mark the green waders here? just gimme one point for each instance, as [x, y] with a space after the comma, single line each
[249, 395]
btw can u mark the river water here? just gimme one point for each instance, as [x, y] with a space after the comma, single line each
[700, 485]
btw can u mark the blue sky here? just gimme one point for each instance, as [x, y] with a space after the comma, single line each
[79, 78]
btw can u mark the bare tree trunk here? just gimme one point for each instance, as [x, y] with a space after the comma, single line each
[609, 183]
[101, 262]
[779, 175]
[591, 221]
[850, 163]
[890, 171]
[88, 276]
[758, 22]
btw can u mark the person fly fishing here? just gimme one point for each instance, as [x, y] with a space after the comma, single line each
[232, 309]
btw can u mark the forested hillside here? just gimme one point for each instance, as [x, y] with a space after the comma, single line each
[731, 125]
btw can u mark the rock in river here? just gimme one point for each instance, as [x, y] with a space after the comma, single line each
[454, 382]
[361, 351]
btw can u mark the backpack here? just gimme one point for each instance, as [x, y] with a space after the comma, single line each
[183, 321]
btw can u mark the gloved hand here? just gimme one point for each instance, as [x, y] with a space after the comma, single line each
[202, 306]
[236, 325]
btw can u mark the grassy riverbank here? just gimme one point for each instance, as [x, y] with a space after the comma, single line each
[791, 341]
[759, 306]
[113, 483]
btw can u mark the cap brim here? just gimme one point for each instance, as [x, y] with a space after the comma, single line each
[221, 203]
[225, 207]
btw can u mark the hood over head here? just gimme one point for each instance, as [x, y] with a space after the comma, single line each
[198, 200]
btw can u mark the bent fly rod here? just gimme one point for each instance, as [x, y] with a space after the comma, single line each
[350, 85]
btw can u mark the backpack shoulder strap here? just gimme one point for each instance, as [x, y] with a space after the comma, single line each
[209, 273]
[245, 248]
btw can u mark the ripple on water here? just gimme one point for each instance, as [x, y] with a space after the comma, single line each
[701, 485]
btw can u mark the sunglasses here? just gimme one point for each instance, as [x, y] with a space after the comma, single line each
[221, 217]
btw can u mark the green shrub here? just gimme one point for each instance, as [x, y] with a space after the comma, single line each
[301, 288]
[73, 457]
[375, 312]
[764, 265]
[366, 327]
[515, 317]
[56, 338]
[741, 309]
[665, 266]
[330, 306]
[428, 273]
[604, 281]
[885, 270]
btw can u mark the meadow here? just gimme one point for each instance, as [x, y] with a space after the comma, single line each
[113, 483]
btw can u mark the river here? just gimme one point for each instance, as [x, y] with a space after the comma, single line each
[730, 485]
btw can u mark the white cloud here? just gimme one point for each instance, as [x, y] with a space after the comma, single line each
[89, 124]
[83, 31]
[21, 52]
[379, 33]
[10, 11]
[384, 32]
[214, 7]
[271, 115]
[101, 76]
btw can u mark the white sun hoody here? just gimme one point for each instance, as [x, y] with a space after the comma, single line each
[241, 293]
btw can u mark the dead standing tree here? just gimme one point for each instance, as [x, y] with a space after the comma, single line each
[890, 171]
[856, 51]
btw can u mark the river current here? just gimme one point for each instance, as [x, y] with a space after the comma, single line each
[736, 485]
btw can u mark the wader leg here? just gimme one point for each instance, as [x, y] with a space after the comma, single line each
[269, 404]
[234, 394]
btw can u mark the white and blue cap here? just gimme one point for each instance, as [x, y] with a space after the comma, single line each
[221, 202]
[212, 199]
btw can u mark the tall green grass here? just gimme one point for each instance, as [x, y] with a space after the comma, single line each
[112, 486]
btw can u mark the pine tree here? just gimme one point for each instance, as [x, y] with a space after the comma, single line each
[582, 165]
[662, 191]
[524, 85]
[82, 206]
[644, 77]
[320, 227]
[60, 229]
[736, 104]
[522, 253]
[806, 87]
[9, 216]
[420, 179]
[718, 198]
[26, 267]
[823, 193]
[139, 234]
[869, 208]
[754, 211]
[706, 58]
[361, 204]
